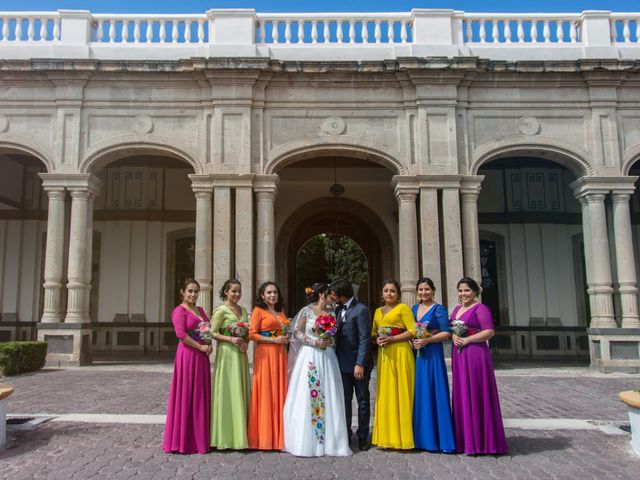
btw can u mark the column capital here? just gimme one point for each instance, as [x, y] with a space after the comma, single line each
[56, 192]
[470, 186]
[72, 182]
[267, 183]
[589, 185]
[201, 183]
[405, 188]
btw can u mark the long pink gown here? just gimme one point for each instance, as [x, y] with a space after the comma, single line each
[187, 429]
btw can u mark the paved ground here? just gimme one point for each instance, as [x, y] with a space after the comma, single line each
[129, 449]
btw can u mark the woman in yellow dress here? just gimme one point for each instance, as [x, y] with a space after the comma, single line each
[393, 328]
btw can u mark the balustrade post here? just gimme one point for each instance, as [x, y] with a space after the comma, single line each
[595, 34]
[232, 32]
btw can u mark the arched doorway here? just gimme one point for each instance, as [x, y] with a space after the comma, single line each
[336, 196]
[335, 217]
[23, 231]
[532, 259]
[145, 215]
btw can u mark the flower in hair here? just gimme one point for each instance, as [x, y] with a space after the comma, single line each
[308, 291]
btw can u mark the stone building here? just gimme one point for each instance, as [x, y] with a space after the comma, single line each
[137, 150]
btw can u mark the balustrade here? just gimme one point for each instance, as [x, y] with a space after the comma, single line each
[334, 29]
[419, 32]
[522, 28]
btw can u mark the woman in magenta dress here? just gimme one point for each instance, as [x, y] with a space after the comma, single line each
[477, 419]
[188, 412]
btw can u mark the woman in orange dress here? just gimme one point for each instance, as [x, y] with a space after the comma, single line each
[269, 389]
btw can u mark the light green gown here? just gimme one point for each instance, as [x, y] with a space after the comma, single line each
[231, 387]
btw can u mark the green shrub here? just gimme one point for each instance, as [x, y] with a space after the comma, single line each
[22, 357]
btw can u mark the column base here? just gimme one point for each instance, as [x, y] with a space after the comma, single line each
[69, 344]
[615, 349]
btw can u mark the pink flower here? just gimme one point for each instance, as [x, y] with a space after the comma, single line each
[314, 393]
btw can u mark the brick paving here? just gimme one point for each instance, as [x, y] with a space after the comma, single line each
[66, 450]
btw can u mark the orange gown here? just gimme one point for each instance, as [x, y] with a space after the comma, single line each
[269, 388]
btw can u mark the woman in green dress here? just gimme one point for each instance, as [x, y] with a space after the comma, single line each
[231, 387]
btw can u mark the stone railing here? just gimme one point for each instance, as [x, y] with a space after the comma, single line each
[324, 36]
[334, 28]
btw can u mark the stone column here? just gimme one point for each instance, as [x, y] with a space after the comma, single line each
[406, 191]
[469, 192]
[79, 254]
[54, 259]
[452, 243]
[265, 190]
[597, 258]
[430, 238]
[625, 262]
[221, 236]
[203, 190]
[244, 242]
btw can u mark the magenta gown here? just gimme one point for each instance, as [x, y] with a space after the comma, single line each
[187, 429]
[477, 419]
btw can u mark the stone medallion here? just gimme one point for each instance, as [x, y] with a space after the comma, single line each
[528, 126]
[333, 126]
[4, 123]
[142, 124]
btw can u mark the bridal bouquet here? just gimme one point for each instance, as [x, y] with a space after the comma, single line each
[461, 329]
[326, 326]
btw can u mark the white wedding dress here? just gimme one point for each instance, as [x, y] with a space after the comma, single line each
[314, 421]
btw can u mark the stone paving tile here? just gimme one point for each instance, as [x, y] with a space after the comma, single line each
[112, 452]
[92, 390]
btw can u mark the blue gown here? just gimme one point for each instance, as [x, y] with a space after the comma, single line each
[432, 422]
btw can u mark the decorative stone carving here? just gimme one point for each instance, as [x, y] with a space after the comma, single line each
[528, 126]
[333, 126]
[142, 124]
[4, 123]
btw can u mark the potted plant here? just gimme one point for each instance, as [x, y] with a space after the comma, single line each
[632, 399]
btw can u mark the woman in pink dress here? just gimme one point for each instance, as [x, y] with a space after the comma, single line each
[477, 419]
[188, 412]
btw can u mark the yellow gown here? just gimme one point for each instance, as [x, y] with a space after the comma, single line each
[392, 424]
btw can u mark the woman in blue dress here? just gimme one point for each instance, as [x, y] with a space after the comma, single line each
[432, 422]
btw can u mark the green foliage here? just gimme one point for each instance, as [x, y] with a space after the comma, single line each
[22, 357]
[325, 258]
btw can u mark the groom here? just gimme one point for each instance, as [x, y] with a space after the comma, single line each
[353, 347]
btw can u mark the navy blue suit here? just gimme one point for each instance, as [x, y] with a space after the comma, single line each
[353, 347]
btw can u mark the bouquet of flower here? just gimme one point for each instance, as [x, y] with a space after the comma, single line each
[326, 326]
[287, 327]
[461, 329]
[240, 330]
[386, 331]
[422, 332]
[202, 332]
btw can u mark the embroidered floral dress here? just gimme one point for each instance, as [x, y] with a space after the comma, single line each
[314, 421]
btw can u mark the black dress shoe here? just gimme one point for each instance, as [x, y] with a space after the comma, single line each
[363, 445]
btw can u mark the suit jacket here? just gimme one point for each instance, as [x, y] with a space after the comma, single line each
[353, 339]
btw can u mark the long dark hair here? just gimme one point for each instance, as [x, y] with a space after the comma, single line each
[260, 303]
[428, 281]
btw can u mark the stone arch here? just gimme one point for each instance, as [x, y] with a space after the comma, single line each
[25, 148]
[105, 153]
[293, 152]
[631, 157]
[544, 148]
[372, 236]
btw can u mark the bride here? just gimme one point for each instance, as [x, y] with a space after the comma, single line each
[314, 421]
